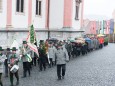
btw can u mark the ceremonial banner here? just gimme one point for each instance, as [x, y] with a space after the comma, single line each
[31, 39]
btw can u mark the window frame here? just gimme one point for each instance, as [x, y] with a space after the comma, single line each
[19, 12]
[1, 6]
[77, 5]
[37, 15]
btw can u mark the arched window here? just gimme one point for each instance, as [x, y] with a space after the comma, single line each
[77, 4]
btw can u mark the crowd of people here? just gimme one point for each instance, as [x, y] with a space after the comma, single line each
[51, 53]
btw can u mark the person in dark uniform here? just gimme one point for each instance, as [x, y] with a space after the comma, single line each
[74, 53]
[6, 61]
[42, 58]
[13, 60]
[78, 49]
[26, 65]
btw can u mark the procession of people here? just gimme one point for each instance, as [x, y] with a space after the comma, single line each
[51, 53]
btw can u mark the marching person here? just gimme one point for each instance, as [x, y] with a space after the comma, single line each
[42, 57]
[68, 46]
[61, 58]
[26, 65]
[6, 61]
[2, 59]
[51, 53]
[13, 60]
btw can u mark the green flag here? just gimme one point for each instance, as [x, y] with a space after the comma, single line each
[32, 35]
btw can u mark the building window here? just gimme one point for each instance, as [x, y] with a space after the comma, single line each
[77, 9]
[38, 7]
[0, 5]
[20, 6]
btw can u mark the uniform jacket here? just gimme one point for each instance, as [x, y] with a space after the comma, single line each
[2, 59]
[61, 56]
[24, 53]
[68, 47]
[51, 52]
[13, 59]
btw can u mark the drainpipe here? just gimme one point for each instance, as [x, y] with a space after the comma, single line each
[48, 18]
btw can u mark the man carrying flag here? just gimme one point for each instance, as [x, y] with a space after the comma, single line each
[26, 51]
[32, 43]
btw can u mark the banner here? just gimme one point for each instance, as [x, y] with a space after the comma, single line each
[31, 39]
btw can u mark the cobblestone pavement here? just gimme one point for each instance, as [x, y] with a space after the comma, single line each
[95, 69]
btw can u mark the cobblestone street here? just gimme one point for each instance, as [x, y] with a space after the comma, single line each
[94, 69]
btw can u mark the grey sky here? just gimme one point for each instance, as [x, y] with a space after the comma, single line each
[99, 7]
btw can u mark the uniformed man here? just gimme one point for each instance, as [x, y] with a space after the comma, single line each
[13, 60]
[26, 65]
[42, 57]
[6, 61]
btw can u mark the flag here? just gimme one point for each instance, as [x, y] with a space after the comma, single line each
[31, 39]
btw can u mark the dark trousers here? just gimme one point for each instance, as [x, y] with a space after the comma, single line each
[101, 46]
[26, 67]
[6, 70]
[78, 52]
[51, 62]
[42, 64]
[11, 77]
[61, 69]
[69, 53]
[1, 79]
[6, 67]
[33, 61]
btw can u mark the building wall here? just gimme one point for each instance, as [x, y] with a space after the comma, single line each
[3, 14]
[39, 21]
[56, 14]
[19, 20]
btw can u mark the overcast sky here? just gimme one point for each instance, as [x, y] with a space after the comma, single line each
[99, 7]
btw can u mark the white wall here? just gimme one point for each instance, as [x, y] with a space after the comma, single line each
[76, 23]
[56, 13]
[20, 20]
[39, 21]
[3, 14]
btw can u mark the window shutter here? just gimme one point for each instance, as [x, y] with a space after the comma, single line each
[22, 5]
[77, 10]
[17, 5]
[0, 4]
[39, 7]
[36, 7]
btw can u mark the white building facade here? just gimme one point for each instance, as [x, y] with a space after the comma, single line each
[60, 18]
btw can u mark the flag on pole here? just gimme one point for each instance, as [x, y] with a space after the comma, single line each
[31, 39]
